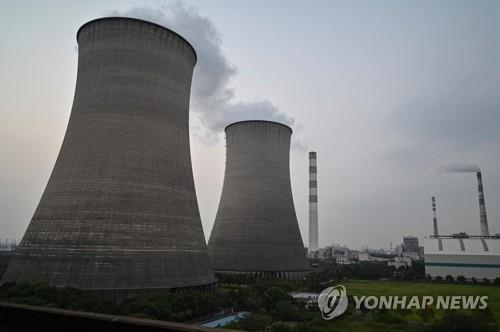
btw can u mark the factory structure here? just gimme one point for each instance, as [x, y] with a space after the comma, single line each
[256, 230]
[119, 215]
[469, 256]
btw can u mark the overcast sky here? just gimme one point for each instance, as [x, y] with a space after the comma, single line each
[387, 92]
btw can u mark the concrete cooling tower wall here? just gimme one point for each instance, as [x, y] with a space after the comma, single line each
[119, 212]
[256, 228]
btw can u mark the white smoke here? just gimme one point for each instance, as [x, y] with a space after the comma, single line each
[460, 168]
[212, 99]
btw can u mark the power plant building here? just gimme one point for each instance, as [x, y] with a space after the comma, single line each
[256, 229]
[410, 244]
[119, 214]
[469, 256]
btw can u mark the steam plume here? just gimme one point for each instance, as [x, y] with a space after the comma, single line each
[211, 98]
[461, 168]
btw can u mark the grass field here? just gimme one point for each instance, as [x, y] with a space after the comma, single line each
[363, 287]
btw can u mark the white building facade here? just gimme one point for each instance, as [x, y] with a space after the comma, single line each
[470, 257]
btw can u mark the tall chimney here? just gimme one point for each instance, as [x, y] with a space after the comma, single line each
[434, 217]
[482, 207]
[313, 203]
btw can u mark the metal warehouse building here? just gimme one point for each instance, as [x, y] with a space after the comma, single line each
[472, 257]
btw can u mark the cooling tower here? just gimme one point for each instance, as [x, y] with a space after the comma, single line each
[256, 229]
[119, 212]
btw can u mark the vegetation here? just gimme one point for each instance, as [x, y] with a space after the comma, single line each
[172, 307]
[273, 309]
[363, 287]
[4, 261]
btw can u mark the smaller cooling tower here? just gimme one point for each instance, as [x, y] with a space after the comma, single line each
[256, 229]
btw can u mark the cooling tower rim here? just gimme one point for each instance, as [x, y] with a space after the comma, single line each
[257, 121]
[141, 21]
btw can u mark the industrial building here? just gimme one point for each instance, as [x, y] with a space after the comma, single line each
[410, 244]
[468, 256]
[340, 254]
[460, 254]
[119, 215]
[256, 229]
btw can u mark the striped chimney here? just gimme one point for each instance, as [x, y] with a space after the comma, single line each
[313, 203]
[482, 206]
[434, 216]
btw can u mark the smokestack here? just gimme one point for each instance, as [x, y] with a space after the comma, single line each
[434, 216]
[482, 206]
[313, 202]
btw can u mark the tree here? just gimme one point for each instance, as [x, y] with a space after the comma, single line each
[286, 311]
[272, 295]
[280, 327]
[255, 322]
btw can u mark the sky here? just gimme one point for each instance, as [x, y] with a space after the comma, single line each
[391, 94]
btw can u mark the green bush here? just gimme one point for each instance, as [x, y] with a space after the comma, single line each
[457, 321]
[387, 316]
[281, 327]
[255, 322]
[272, 295]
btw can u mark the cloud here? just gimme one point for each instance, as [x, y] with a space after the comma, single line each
[464, 113]
[212, 98]
[454, 119]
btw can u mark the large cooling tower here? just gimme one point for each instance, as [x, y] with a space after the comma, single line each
[256, 228]
[119, 211]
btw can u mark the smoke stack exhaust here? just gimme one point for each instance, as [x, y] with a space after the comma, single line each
[434, 216]
[482, 206]
[313, 202]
